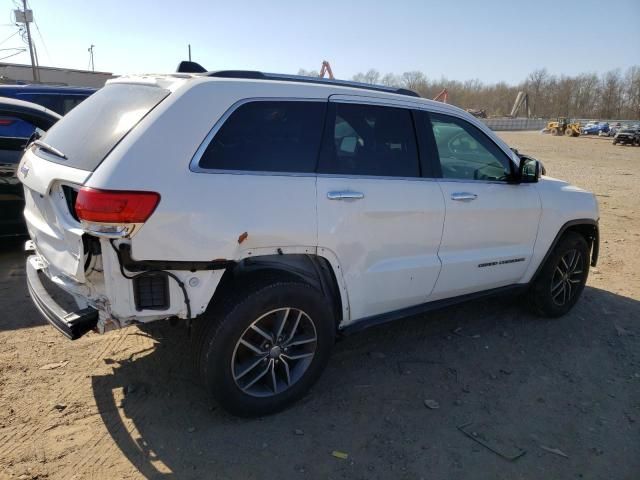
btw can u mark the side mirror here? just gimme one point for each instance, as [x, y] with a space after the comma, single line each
[529, 170]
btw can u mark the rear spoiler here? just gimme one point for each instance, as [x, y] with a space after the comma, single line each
[190, 67]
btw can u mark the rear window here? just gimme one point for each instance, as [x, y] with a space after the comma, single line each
[268, 136]
[90, 131]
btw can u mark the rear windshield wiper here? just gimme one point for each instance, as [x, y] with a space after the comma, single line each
[48, 148]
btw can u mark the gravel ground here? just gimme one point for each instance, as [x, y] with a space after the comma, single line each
[482, 390]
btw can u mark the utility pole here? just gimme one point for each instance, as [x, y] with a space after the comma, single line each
[26, 16]
[90, 50]
[189, 52]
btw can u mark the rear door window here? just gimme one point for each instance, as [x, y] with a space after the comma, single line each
[92, 129]
[369, 140]
[268, 136]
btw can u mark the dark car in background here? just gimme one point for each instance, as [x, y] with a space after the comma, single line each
[25, 110]
[59, 99]
[627, 136]
[39, 119]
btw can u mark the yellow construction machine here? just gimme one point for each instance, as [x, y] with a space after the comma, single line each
[563, 126]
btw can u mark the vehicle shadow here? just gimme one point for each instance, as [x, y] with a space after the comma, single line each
[486, 361]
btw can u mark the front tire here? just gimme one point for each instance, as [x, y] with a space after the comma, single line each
[265, 349]
[561, 281]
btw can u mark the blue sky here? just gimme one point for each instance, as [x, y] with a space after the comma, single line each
[484, 39]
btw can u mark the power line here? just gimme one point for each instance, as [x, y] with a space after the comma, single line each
[10, 36]
[14, 54]
[46, 50]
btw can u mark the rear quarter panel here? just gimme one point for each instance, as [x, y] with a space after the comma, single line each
[202, 215]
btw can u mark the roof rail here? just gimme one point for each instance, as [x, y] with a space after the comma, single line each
[254, 75]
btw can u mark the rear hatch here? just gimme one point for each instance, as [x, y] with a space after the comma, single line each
[58, 164]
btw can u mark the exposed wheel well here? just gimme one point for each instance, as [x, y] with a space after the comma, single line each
[590, 233]
[311, 269]
[587, 228]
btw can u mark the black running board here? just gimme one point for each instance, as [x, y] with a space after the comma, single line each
[382, 318]
[72, 325]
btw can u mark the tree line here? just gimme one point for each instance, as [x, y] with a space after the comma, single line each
[610, 95]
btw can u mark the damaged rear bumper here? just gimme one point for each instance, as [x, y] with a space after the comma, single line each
[72, 324]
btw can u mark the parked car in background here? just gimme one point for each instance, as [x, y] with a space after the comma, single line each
[283, 211]
[11, 150]
[627, 136]
[613, 129]
[594, 128]
[59, 99]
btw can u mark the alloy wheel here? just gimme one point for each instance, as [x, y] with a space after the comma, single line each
[567, 277]
[274, 352]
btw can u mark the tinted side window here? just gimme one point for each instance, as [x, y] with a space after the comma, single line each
[467, 153]
[70, 102]
[270, 136]
[50, 101]
[369, 140]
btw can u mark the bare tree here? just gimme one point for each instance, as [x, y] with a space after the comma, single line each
[372, 77]
[391, 80]
[588, 95]
[535, 83]
[413, 80]
[632, 93]
[611, 94]
[308, 73]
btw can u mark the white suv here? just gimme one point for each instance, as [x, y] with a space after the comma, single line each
[282, 211]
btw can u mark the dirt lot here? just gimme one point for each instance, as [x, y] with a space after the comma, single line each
[564, 392]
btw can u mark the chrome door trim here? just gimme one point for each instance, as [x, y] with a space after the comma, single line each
[344, 195]
[463, 196]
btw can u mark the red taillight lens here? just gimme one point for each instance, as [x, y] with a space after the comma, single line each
[5, 122]
[114, 206]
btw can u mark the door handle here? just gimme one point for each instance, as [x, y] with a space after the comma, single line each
[463, 196]
[345, 195]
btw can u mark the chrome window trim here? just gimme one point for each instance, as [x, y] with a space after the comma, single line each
[428, 108]
[350, 177]
[194, 164]
[425, 105]
[375, 177]
[219, 171]
[343, 176]
[471, 180]
[369, 100]
[362, 99]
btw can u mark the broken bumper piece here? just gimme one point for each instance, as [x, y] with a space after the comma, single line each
[72, 324]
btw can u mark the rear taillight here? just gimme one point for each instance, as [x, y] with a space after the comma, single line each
[114, 212]
[5, 122]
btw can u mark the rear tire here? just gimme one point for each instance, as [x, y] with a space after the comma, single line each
[561, 281]
[265, 347]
